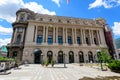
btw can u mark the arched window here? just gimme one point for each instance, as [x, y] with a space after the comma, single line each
[14, 55]
[60, 57]
[90, 56]
[18, 39]
[81, 57]
[49, 56]
[71, 57]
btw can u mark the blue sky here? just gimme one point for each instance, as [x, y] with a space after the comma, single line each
[91, 9]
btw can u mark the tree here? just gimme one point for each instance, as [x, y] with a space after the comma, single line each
[104, 56]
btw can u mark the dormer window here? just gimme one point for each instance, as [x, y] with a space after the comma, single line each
[22, 17]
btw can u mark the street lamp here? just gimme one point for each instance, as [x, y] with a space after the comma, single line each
[64, 59]
[99, 57]
[42, 58]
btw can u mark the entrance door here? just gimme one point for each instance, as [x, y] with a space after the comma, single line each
[81, 57]
[37, 57]
[60, 57]
[71, 57]
[49, 56]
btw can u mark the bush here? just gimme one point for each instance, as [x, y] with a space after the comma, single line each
[52, 63]
[47, 62]
[114, 65]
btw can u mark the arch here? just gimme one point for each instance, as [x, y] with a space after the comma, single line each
[18, 39]
[37, 56]
[14, 55]
[71, 57]
[60, 57]
[90, 56]
[81, 57]
[49, 56]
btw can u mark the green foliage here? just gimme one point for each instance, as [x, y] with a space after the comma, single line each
[47, 62]
[104, 56]
[52, 62]
[114, 65]
[5, 59]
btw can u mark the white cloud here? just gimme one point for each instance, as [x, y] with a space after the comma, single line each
[104, 3]
[5, 31]
[5, 41]
[8, 8]
[116, 28]
[57, 2]
[38, 8]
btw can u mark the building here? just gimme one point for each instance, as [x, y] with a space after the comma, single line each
[38, 37]
[110, 41]
[3, 51]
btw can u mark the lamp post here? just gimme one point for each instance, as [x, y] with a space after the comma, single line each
[42, 58]
[99, 57]
[64, 59]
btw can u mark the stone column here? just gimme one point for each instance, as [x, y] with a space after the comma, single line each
[63, 35]
[43, 34]
[36, 34]
[66, 37]
[15, 35]
[90, 36]
[98, 37]
[73, 36]
[81, 35]
[46, 34]
[22, 35]
[56, 35]
[84, 37]
[53, 34]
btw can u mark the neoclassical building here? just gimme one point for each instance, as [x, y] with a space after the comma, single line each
[39, 37]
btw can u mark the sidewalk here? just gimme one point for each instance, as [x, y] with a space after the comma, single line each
[38, 72]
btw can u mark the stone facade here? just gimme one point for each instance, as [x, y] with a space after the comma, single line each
[38, 37]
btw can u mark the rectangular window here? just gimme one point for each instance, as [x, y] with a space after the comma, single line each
[69, 40]
[20, 29]
[50, 39]
[39, 39]
[60, 40]
[78, 40]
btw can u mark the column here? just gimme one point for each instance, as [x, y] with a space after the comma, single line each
[22, 35]
[75, 37]
[72, 36]
[56, 34]
[63, 35]
[53, 34]
[66, 36]
[36, 34]
[15, 35]
[98, 37]
[46, 34]
[81, 35]
[90, 36]
[84, 37]
[43, 34]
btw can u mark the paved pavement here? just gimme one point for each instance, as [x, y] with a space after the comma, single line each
[38, 72]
